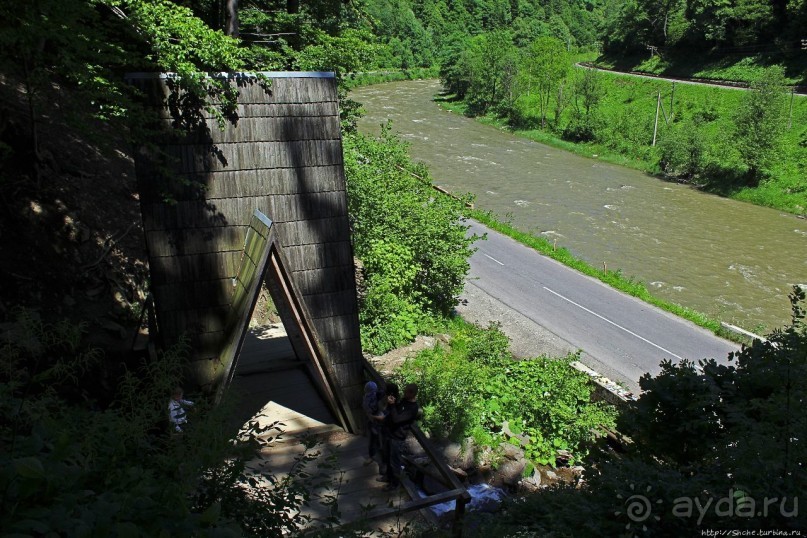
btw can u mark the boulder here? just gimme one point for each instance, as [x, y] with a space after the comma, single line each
[523, 439]
[511, 452]
[510, 472]
[531, 484]
[459, 456]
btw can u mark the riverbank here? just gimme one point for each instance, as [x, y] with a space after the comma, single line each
[355, 80]
[731, 261]
[627, 112]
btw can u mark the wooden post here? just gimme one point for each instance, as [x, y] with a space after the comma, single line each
[146, 310]
[655, 125]
[459, 516]
[664, 114]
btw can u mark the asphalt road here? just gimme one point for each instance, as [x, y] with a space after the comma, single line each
[556, 309]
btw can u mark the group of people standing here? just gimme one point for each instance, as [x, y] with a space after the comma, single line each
[389, 420]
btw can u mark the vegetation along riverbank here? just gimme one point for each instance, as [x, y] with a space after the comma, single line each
[747, 145]
[613, 278]
[514, 65]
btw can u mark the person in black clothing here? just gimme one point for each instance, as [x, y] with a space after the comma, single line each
[397, 425]
[375, 417]
[390, 389]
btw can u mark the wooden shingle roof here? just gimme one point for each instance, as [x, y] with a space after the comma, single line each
[198, 192]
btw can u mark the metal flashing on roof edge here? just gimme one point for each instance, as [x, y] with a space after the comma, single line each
[261, 217]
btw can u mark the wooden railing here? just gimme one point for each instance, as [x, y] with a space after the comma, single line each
[456, 491]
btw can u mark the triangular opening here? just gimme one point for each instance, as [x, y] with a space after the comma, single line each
[281, 363]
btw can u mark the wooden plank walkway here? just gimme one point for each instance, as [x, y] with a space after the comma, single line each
[274, 388]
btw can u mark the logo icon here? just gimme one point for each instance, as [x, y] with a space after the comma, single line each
[638, 507]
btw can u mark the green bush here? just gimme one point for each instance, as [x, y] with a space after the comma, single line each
[391, 312]
[411, 238]
[681, 151]
[549, 401]
[581, 129]
[726, 437]
[474, 386]
[760, 123]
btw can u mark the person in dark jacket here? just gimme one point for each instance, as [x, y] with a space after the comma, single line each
[390, 389]
[397, 424]
[375, 418]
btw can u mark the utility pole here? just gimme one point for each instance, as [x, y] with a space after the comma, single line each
[655, 125]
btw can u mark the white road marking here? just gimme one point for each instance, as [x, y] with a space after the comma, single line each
[492, 258]
[614, 324]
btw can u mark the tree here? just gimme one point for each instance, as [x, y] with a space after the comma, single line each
[413, 243]
[760, 122]
[681, 150]
[545, 64]
[349, 52]
[454, 74]
[588, 92]
[84, 46]
[742, 22]
[489, 61]
[627, 29]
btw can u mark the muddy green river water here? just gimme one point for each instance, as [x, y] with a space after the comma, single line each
[731, 260]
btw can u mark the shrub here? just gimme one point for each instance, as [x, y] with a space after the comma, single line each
[681, 151]
[391, 312]
[474, 386]
[581, 128]
[759, 122]
[726, 436]
[72, 464]
[411, 238]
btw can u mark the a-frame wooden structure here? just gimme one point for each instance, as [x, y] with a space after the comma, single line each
[199, 190]
[263, 261]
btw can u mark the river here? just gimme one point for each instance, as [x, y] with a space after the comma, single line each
[733, 261]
